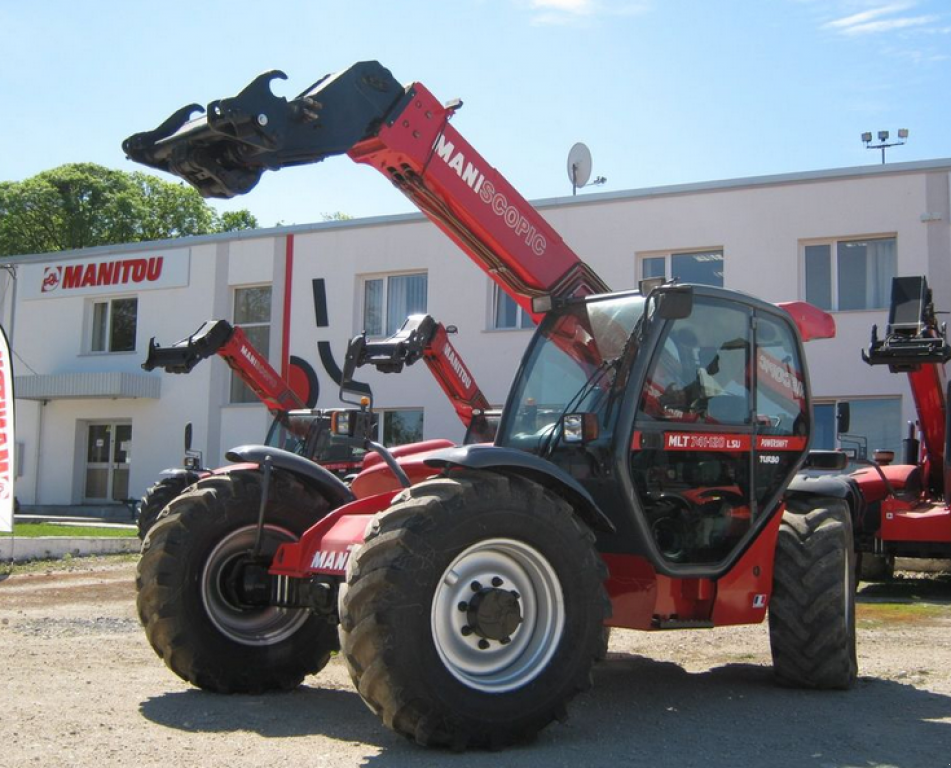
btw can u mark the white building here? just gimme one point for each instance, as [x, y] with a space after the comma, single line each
[93, 427]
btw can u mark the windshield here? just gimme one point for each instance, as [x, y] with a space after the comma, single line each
[308, 434]
[289, 433]
[569, 368]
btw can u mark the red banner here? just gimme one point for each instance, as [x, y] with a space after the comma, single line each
[7, 440]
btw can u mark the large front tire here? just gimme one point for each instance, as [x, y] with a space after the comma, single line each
[812, 609]
[186, 600]
[474, 612]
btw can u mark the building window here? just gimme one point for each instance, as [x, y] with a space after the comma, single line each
[390, 299]
[252, 312]
[875, 423]
[402, 427]
[858, 277]
[113, 325]
[702, 267]
[506, 314]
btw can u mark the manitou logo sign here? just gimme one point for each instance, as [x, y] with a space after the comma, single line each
[168, 269]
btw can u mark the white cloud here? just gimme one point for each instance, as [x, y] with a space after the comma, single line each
[866, 16]
[563, 12]
[875, 20]
[577, 7]
[888, 25]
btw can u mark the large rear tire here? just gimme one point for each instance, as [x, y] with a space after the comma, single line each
[186, 601]
[474, 612]
[812, 609]
[158, 496]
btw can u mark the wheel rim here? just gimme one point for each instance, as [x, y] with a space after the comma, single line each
[257, 626]
[492, 657]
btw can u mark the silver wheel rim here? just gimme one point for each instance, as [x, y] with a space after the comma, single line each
[257, 626]
[514, 566]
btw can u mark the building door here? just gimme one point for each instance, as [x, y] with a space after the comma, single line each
[108, 451]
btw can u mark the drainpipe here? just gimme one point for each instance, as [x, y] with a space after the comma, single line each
[36, 454]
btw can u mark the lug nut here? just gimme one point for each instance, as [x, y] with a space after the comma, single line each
[483, 644]
[505, 640]
[497, 582]
[516, 595]
[475, 586]
[466, 630]
[463, 606]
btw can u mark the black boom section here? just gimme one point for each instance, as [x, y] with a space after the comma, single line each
[224, 152]
[185, 354]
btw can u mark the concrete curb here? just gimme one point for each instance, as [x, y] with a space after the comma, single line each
[20, 549]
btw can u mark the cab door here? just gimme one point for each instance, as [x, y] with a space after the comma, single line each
[692, 451]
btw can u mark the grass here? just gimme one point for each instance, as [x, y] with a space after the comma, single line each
[872, 615]
[34, 530]
[66, 563]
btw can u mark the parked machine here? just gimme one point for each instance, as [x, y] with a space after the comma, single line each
[907, 513]
[295, 427]
[306, 431]
[637, 478]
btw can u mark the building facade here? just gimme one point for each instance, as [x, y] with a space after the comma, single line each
[93, 428]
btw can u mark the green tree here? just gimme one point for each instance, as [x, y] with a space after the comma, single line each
[232, 221]
[81, 205]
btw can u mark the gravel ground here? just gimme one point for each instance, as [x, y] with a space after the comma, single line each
[82, 688]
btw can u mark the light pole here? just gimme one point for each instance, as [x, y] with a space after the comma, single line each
[883, 141]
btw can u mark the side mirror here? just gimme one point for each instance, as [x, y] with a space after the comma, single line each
[188, 437]
[842, 418]
[675, 303]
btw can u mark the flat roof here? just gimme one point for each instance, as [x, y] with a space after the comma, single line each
[589, 198]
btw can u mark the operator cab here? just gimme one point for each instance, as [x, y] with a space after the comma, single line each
[308, 433]
[683, 423]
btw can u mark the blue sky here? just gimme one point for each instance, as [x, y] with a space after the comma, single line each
[661, 91]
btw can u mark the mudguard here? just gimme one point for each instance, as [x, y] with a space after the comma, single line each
[490, 457]
[806, 484]
[334, 489]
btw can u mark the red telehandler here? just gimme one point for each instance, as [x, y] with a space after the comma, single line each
[305, 431]
[638, 478]
[295, 427]
[899, 509]
[906, 511]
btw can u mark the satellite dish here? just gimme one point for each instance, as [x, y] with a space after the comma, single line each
[579, 166]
